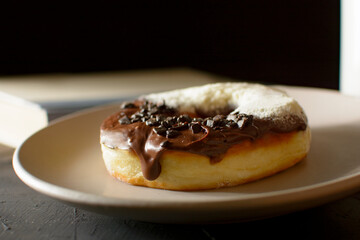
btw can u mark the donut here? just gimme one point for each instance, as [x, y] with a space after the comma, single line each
[205, 137]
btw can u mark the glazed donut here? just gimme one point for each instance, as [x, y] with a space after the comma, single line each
[205, 137]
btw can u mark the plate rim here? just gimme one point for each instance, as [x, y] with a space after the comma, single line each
[71, 195]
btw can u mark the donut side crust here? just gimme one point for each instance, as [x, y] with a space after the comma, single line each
[245, 162]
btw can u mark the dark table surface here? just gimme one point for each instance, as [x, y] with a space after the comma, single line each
[26, 214]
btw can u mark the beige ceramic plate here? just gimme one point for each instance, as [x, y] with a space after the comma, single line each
[64, 161]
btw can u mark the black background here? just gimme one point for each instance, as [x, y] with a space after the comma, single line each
[286, 42]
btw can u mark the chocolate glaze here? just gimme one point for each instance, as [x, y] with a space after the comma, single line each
[210, 142]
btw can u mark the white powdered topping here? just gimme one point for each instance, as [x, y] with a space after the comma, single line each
[252, 99]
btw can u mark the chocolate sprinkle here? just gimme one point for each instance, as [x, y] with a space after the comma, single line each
[210, 123]
[160, 131]
[180, 126]
[124, 120]
[172, 133]
[184, 118]
[196, 128]
[231, 124]
[128, 105]
[152, 122]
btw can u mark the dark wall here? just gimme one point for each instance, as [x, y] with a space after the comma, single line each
[288, 42]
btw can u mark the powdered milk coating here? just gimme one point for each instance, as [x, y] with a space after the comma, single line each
[252, 99]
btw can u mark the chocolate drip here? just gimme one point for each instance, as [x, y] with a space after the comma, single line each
[148, 154]
[150, 134]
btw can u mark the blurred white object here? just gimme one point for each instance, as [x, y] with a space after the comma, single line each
[350, 47]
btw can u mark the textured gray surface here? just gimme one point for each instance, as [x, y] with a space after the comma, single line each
[26, 214]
